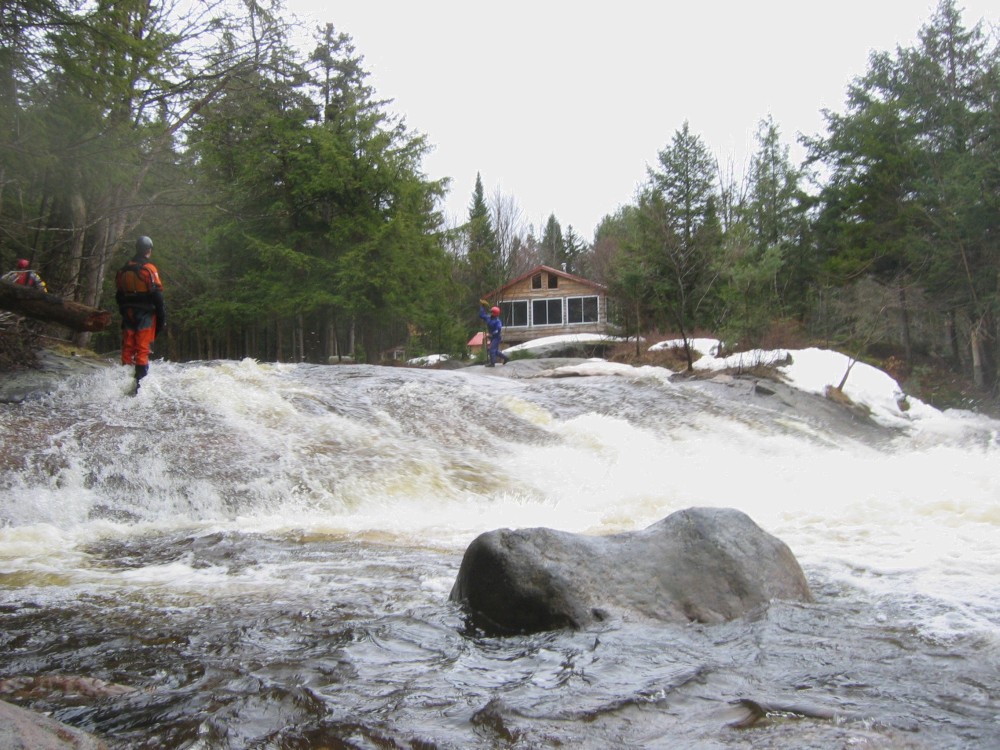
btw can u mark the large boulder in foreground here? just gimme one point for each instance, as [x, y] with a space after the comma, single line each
[706, 565]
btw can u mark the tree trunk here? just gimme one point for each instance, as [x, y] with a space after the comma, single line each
[975, 346]
[638, 323]
[951, 338]
[34, 303]
[904, 319]
[988, 351]
[77, 220]
[843, 381]
[300, 325]
[333, 342]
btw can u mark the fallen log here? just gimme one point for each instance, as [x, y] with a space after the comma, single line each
[33, 303]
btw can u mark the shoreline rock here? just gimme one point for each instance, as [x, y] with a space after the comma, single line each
[23, 729]
[53, 368]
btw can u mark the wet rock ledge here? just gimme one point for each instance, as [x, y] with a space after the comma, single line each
[21, 729]
[53, 366]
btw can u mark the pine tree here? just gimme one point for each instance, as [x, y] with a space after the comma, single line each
[552, 246]
[330, 221]
[905, 202]
[680, 232]
[99, 95]
[482, 255]
[762, 263]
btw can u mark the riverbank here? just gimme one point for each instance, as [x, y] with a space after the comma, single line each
[30, 367]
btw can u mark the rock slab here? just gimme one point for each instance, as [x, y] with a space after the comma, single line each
[21, 729]
[54, 368]
[707, 565]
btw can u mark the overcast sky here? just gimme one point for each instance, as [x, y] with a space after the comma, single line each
[563, 105]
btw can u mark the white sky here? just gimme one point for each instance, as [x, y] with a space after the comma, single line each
[563, 105]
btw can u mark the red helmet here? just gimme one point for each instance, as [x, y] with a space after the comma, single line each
[22, 263]
[495, 310]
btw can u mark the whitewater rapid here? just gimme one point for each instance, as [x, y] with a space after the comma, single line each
[399, 469]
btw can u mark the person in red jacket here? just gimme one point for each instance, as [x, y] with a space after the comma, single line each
[24, 276]
[139, 294]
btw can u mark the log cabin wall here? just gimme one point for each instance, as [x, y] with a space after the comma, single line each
[545, 302]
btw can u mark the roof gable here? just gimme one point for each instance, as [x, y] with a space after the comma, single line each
[547, 269]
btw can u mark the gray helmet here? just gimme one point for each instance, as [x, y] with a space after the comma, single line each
[143, 245]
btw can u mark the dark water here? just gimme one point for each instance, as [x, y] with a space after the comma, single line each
[356, 650]
[273, 571]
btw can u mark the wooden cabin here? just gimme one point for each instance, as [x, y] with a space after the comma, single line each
[548, 302]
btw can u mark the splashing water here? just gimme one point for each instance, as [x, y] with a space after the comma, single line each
[266, 551]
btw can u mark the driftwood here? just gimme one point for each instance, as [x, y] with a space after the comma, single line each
[34, 303]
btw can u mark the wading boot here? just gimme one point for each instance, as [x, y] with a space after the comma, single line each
[140, 372]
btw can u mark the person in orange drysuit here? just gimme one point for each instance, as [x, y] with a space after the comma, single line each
[140, 301]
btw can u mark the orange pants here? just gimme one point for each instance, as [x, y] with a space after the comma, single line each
[137, 341]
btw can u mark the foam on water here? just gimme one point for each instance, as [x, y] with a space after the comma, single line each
[434, 458]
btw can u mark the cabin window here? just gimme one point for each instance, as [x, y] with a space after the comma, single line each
[546, 312]
[536, 281]
[514, 313]
[553, 281]
[581, 310]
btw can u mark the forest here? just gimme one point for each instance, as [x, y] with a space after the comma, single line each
[292, 219]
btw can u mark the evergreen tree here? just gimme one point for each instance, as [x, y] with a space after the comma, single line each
[620, 264]
[486, 271]
[954, 76]
[330, 219]
[98, 103]
[905, 200]
[869, 218]
[680, 231]
[685, 179]
[762, 261]
[562, 251]
[552, 246]
[574, 250]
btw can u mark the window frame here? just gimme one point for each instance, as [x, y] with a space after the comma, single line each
[507, 313]
[582, 299]
[549, 303]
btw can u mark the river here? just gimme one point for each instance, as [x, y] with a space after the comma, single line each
[264, 552]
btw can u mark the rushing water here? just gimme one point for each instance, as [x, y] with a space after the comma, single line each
[264, 554]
